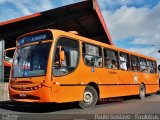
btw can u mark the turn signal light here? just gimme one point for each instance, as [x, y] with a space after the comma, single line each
[35, 88]
[39, 86]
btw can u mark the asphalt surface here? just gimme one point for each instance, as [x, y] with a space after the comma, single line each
[114, 108]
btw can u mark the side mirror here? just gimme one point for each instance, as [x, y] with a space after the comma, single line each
[61, 54]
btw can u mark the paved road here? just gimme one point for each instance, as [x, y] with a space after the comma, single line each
[118, 106]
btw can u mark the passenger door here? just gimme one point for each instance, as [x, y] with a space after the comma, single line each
[65, 62]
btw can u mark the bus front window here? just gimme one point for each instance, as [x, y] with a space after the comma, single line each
[31, 60]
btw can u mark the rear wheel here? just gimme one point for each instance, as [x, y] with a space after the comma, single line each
[142, 91]
[90, 98]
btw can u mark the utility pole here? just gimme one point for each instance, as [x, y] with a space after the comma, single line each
[1, 69]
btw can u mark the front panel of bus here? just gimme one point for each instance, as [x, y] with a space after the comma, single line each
[29, 72]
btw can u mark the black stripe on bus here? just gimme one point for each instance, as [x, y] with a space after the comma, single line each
[151, 84]
[117, 84]
[73, 84]
[126, 84]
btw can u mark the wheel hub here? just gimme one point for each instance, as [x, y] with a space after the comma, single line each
[88, 97]
[142, 92]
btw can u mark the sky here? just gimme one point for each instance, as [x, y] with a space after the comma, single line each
[133, 24]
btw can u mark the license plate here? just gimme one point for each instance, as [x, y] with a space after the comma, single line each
[22, 95]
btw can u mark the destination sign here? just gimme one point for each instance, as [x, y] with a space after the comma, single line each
[35, 38]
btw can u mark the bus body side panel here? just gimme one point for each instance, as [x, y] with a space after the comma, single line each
[126, 83]
[145, 78]
[107, 91]
[65, 90]
[71, 87]
[104, 78]
[55, 93]
[78, 92]
[110, 81]
[153, 83]
[154, 88]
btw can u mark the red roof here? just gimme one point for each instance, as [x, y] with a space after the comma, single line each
[19, 19]
[84, 17]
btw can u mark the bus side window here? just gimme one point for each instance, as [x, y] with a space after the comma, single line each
[143, 66]
[149, 66]
[124, 61]
[134, 63]
[154, 67]
[111, 59]
[92, 55]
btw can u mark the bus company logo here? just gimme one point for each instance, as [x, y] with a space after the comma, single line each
[135, 78]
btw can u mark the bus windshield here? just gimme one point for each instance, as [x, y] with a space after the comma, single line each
[31, 60]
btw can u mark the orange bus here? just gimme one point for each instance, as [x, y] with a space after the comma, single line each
[8, 57]
[57, 66]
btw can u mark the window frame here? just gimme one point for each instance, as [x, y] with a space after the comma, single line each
[54, 49]
[154, 63]
[111, 50]
[137, 63]
[128, 63]
[100, 51]
[141, 65]
[150, 66]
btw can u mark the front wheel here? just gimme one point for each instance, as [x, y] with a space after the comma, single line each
[90, 98]
[142, 91]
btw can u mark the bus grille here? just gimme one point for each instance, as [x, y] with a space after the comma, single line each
[24, 82]
[22, 89]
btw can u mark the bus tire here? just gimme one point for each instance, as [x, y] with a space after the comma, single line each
[142, 91]
[90, 97]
